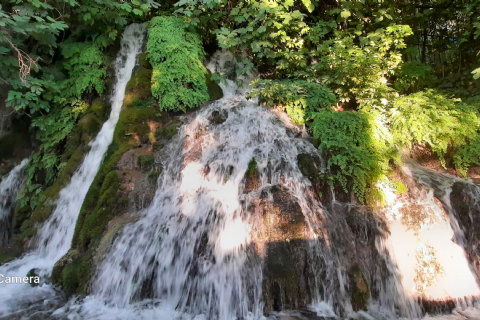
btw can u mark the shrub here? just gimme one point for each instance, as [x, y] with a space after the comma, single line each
[358, 147]
[176, 55]
[430, 117]
[299, 98]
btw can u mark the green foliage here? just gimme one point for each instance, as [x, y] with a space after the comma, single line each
[467, 155]
[145, 162]
[358, 147]
[263, 29]
[299, 98]
[357, 67]
[153, 176]
[252, 170]
[178, 79]
[430, 117]
[413, 76]
[86, 68]
[166, 132]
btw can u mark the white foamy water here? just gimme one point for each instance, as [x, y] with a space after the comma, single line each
[190, 254]
[54, 238]
[8, 191]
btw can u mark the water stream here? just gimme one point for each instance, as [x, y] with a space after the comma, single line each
[54, 238]
[8, 192]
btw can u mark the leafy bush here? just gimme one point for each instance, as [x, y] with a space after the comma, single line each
[86, 68]
[467, 155]
[176, 55]
[299, 98]
[430, 117]
[357, 67]
[358, 147]
[413, 75]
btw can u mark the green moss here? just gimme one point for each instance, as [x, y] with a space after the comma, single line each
[8, 256]
[95, 223]
[138, 88]
[72, 272]
[156, 146]
[166, 132]
[153, 176]
[360, 289]
[252, 170]
[144, 63]
[100, 108]
[145, 162]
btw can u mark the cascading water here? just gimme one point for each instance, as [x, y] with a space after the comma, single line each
[191, 251]
[197, 251]
[8, 192]
[54, 238]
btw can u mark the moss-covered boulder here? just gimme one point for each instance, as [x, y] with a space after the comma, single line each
[166, 132]
[360, 289]
[72, 272]
[215, 92]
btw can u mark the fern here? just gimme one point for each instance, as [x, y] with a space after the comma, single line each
[358, 147]
[176, 55]
[467, 155]
[430, 117]
[299, 98]
[86, 67]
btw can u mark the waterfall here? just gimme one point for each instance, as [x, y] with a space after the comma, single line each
[8, 191]
[191, 253]
[199, 250]
[54, 238]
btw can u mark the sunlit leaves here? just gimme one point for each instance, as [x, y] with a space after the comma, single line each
[178, 79]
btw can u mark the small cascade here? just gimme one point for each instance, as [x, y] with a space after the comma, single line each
[8, 191]
[426, 247]
[54, 238]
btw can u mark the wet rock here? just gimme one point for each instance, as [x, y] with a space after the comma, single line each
[215, 92]
[218, 117]
[252, 177]
[286, 279]
[465, 201]
[360, 289]
[32, 274]
[156, 146]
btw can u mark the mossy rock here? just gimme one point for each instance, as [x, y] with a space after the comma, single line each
[100, 108]
[138, 89]
[96, 222]
[252, 170]
[144, 63]
[166, 132]
[145, 162]
[360, 289]
[153, 176]
[215, 92]
[156, 146]
[72, 272]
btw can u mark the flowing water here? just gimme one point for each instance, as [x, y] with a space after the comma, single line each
[54, 238]
[8, 191]
[196, 254]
